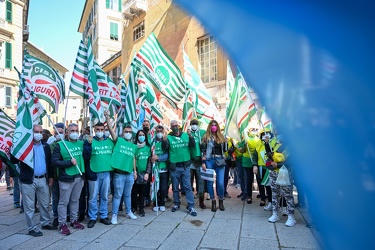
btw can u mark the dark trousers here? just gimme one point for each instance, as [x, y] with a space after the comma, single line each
[83, 201]
[263, 189]
[249, 180]
[163, 188]
[194, 175]
[138, 196]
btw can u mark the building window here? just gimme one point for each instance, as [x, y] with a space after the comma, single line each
[207, 47]
[138, 31]
[114, 5]
[8, 55]
[114, 31]
[115, 74]
[8, 96]
[9, 8]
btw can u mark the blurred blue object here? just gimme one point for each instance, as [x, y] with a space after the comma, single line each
[312, 65]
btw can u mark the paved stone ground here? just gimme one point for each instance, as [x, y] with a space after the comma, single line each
[240, 226]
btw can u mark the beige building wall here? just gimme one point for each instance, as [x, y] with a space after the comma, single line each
[10, 32]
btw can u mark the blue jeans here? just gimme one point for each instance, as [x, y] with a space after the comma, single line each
[182, 176]
[16, 190]
[241, 175]
[219, 180]
[123, 184]
[101, 187]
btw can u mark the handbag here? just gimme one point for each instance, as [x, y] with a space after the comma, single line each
[283, 177]
[220, 162]
[140, 178]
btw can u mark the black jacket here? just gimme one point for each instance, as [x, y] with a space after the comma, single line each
[27, 173]
[61, 165]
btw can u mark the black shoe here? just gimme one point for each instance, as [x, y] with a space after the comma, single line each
[35, 233]
[244, 197]
[81, 218]
[120, 208]
[240, 195]
[49, 227]
[91, 223]
[105, 221]
[141, 213]
[55, 222]
[175, 207]
[21, 210]
[258, 196]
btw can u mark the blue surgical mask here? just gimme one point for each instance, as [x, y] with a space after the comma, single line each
[141, 138]
[159, 135]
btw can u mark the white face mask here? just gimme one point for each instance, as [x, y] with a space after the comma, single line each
[107, 134]
[128, 136]
[194, 127]
[38, 137]
[159, 135]
[73, 136]
[99, 134]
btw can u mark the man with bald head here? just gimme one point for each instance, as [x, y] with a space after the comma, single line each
[35, 182]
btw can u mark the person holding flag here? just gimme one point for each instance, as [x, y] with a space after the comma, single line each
[125, 173]
[160, 157]
[97, 152]
[35, 182]
[67, 157]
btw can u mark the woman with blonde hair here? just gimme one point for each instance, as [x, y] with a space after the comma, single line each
[213, 148]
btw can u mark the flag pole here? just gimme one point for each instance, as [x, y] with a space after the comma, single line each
[66, 106]
[63, 141]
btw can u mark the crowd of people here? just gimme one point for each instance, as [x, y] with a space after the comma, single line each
[81, 171]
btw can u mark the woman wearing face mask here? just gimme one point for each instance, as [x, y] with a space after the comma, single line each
[213, 147]
[143, 165]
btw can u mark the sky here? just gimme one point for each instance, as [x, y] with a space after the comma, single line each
[53, 28]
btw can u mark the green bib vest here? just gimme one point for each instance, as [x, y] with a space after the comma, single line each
[196, 151]
[76, 149]
[179, 148]
[123, 155]
[159, 151]
[101, 155]
[141, 157]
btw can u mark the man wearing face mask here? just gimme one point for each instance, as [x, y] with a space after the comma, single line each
[34, 182]
[196, 159]
[160, 157]
[97, 152]
[70, 179]
[52, 141]
[179, 144]
[146, 128]
[123, 163]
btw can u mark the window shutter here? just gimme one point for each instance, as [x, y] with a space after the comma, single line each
[119, 5]
[115, 31]
[9, 11]
[111, 30]
[107, 4]
[8, 96]
[8, 55]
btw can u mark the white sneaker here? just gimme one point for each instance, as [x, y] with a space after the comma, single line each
[268, 207]
[291, 221]
[162, 208]
[274, 217]
[114, 219]
[155, 209]
[131, 216]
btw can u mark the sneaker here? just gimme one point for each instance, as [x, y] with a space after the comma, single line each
[35, 233]
[141, 212]
[192, 212]
[105, 221]
[268, 207]
[175, 207]
[10, 188]
[75, 224]
[162, 208]
[114, 219]
[155, 209]
[17, 205]
[64, 230]
[131, 216]
[244, 197]
[274, 217]
[91, 223]
[291, 221]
